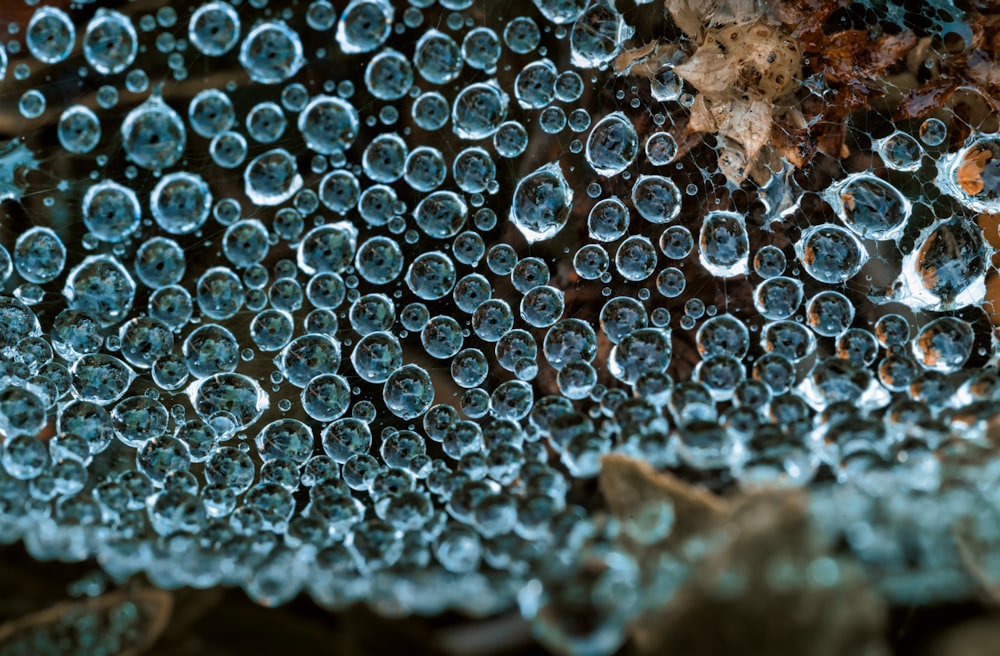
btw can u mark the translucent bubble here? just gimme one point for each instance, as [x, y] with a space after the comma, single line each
[169, 372]
[892, 330]
[321, 15]
[79, 129]
[621, 316]
[272, 177]
[328, 248]
[272, 53]
[569, 86]
[408, 392]
[598, 35]
[542, 203]
[666, 85]
[947, 268]
[636, 258]
[377, 205]
[389, 75]
[364, 25]
[612, 145]
[591, 261]
[474, 170]
[660, 148]
[789, 339]
[897, 370]
[656, 198]
[481, 48]
[162, 455]
[220, 293]
[778, 297]
[214, 28]
[723, 245]
[608, 220]
[441, 214]
[31, 104]
[328, 124]
[944, 344]
[110, 43]
[23, 456]
[143, 340]
[830, 253]
[431, 275]
[384, 158]
[933, 132]
[829, 313]
[640, 352]
[569, 340]
[723, 335]
[138, 419]
[534, 86]
[211, 112]
[769, 261]
[111, 211]
[308, 356]
[379, 260]
[50, 35]
[521, 35]
[561, 12]
[869, 206]
[285, 294]
[469, 248]
[510, 139]
[39, 255]
[211, 349]
[491, 319]
[107, 96]
[271, 330]
[326, 397]
[245, 242]
[437, 57]
[377, 355]
[430, 111]
[372, 313]
[900, 151]
[346, 438]
[230, 467]
[266, 122]
[479, 110]
[153, 135]
[972, 175]
[101, 287]
[235, 394]
[172, 305]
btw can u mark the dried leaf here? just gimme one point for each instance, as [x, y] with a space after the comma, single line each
[131, 620]
[755, 590]
[688, 15]
[790, 136]
[803, 17]
[629, 484]
[629, 58]
[918, 103]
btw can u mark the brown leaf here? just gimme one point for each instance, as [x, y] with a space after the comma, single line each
[790, 136]
[920, 102]
[629, 484]
[148, 610]
[803, 17]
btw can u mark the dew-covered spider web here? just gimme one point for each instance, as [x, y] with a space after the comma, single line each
[474, 305]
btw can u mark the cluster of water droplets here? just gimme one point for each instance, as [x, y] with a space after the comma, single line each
[369, 337]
